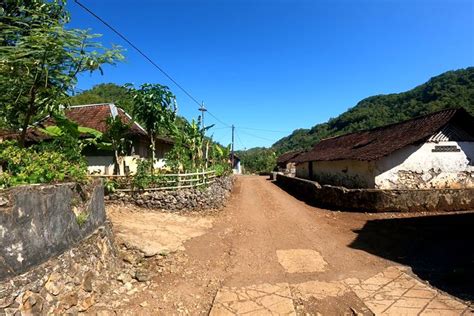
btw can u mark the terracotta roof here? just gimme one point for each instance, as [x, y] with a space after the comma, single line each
[382, 141]
[287, 157]
[91, 116]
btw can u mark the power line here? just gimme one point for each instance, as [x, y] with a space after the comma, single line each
[264, 130]
[256, 136]
[239, 140]
[219, 120]
[219, 128]
[139, 51]
[168, 75]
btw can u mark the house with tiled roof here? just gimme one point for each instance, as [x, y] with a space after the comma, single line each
[430, 151]
[94, 116]
[286, 162]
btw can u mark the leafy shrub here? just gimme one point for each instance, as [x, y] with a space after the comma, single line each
[222, 169]
[143, 178]
[37, 165]
[110, 186]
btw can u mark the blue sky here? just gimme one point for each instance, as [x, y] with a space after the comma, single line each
[281, 65]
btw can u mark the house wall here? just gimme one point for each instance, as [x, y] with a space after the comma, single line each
[100, 164]
[346, 173]
[302, 170]
[418, 167]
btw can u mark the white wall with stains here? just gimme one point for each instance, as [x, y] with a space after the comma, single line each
[347, 173]
[418, 167]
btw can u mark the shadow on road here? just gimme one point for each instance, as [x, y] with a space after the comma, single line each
[439, 249]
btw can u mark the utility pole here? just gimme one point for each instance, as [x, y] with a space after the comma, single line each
[232, 153]
[202, 109]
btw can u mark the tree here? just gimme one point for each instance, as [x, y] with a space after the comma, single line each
[155, 106]
[117, 135]
[189, 146]
[105, 93]
[40, 60]
[257, 160]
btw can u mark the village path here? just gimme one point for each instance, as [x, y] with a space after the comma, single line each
[269, 253]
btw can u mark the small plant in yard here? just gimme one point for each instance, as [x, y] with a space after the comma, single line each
[82, 218]
[110, 186]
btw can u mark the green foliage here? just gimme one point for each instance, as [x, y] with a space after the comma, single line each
[40, 60]
[110, 186]
[69, 138]
[448, 90]
[222, 169]
[37, 165]
[105, 93]
[143, 177]
[117, 135]
[82, 218]
[257, 160]
[155, 106]
[188, 152]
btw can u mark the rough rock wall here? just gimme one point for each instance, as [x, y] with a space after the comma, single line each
[212, 197]
[375, 200]
[67, 284]
[38, 222]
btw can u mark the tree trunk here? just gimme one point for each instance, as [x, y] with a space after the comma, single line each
[152, 141]
[116, 163]
[29, 114]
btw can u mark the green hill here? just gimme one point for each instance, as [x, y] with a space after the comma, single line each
[450, 89]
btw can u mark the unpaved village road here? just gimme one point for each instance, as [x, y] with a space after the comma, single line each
[269, 253]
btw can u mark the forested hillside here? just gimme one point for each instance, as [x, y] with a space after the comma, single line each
[450, 89]
[105, 93]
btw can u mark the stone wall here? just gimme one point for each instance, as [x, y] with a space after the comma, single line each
[376, 200]
[67, 284]
[211, 197]
[38, 222]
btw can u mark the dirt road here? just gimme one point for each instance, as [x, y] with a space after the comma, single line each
[269, 253]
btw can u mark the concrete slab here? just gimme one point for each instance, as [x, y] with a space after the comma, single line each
[301, 260]
[262, 299]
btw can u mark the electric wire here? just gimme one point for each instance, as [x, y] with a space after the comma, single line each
[138, 50]
[170, 77]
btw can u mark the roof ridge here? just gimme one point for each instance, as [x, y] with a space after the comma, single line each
[378, 142]
[455, 110]
[86, 105]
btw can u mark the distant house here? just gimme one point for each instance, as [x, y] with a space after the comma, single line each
[431, 151]
[236, 166]
[286, 162]
[95, 116]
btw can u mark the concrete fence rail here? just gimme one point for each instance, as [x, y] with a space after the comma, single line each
[376, 200]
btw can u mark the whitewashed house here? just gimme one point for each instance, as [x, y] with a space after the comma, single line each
[101, 161]
[286, 162]
[431, 151]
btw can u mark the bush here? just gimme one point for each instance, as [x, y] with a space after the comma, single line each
[222, 169]
[37, 165]
[143, 177]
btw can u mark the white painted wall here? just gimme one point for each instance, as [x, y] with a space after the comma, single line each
[417, 167]
[100, 164]
[347, 173]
